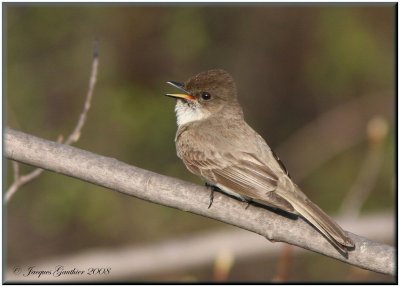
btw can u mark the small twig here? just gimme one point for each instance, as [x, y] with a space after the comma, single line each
[73, 137]
[15, 169]
[285, 261]
[376, 130]
[20, 181]
[223, 265]
[315, 138]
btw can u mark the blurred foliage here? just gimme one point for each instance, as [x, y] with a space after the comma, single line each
[296, 61]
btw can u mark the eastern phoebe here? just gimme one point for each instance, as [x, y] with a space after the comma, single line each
[214, 142]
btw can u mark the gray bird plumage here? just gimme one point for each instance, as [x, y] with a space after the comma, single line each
[214, 142]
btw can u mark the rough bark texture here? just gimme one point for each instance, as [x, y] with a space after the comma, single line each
[164, 190]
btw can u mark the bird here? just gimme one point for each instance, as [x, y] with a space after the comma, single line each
[214, 142]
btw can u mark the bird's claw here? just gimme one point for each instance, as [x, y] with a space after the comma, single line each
[211, 198]
[212, 190]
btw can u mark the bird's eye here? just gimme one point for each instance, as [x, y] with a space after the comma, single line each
[205, 96]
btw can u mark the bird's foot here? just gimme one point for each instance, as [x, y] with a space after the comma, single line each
[211, 198]
[248, 202]
[212, 189]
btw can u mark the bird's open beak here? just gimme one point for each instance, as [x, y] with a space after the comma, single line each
[186, 96]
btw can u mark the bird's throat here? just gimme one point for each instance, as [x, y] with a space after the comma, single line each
[189, 112]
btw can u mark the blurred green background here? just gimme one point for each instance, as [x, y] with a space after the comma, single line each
[291, 64]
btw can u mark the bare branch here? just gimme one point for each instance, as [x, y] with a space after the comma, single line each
[186, 252]
[15, 169]
[285, 261]
[134, 181]
[315, 138]
[20, 181]
[223, 264]
[363, 185]
[73, 137]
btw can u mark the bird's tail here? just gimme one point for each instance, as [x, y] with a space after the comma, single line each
[317, 217]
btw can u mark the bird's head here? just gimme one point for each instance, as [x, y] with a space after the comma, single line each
[210, 93]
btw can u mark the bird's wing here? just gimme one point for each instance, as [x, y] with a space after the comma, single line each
[241, 173]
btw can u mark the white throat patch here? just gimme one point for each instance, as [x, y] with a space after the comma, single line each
[189, 113]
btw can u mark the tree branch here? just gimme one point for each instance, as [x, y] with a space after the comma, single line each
[172, 192]
[377, 130]
[315, 137]
[183, 253]
[75, 135]
[20, 180]
[72, 138]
